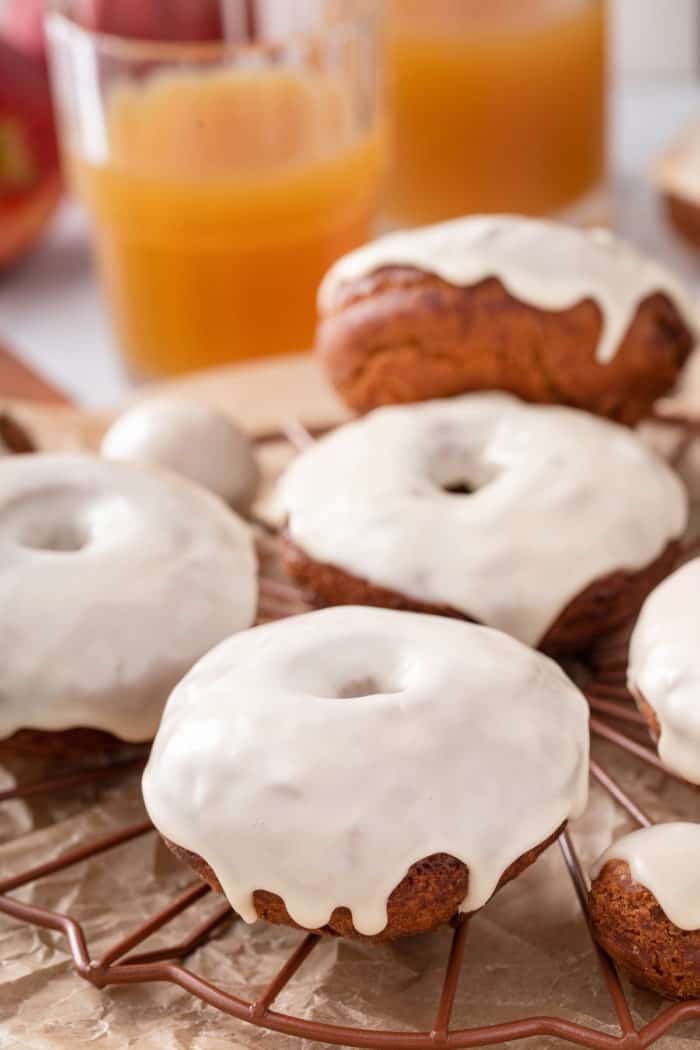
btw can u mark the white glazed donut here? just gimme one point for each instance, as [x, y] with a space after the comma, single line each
[664, 667]
[664, 859]
[114, 580]
[560, 500]
[190, 439]
[545, 264]
[320, 756]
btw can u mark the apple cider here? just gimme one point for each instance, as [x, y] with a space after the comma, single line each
[222, 180]
[225, 199]
[494, 105]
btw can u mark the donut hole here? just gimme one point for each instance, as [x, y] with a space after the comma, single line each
[63, 537]
[356, 688]
[456, 470]
[55, 521]
[354, 669]
[458, 488]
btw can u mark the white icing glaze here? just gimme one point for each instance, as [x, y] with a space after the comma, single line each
[664, 667]
[562, 498]
[544, 264]
[188, 438]
[319, 757]
[114, 580]
[665, 859]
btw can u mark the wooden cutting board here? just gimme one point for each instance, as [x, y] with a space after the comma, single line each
[259, 395]
[17, 380]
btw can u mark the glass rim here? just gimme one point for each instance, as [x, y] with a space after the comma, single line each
[60, 24]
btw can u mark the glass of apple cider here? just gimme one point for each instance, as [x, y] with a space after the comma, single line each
[494, 105]
[222, 177]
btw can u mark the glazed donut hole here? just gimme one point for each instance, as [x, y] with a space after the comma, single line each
[56, 538]
[453, 479]
[455, 465]
[53, 521]
[362, 688]
[361, 671]
[190, 439]
[61, 520]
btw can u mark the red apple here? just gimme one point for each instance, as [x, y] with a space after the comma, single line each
[30, 180]
[23, 25]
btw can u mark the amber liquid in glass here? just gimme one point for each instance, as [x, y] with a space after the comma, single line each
[494, 105]
[225, 197]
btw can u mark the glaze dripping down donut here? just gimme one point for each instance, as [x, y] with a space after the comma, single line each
[319, 758]
[545, 264]
[664, 859]
[552, 314]
[645, 907]
[482, 506]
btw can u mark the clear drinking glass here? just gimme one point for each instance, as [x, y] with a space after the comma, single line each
[494, 105]
[222, 178]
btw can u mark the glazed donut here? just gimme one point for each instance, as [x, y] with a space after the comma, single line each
[190, 439]
[367, 772]
[541, 521]
[541, 310]
[664, 669]
[114, 580]
[645, 907]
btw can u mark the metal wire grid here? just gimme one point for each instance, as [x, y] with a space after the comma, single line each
[614, 718]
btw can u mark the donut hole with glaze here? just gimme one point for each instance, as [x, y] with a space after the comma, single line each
[61, 522]
[363, 670]
[455, 463]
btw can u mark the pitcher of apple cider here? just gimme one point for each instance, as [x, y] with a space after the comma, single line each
[494, 105]
[223, 176]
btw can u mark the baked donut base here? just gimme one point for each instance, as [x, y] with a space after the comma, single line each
[428, 896]
[402, 335]
[630, 925]
[603, 607]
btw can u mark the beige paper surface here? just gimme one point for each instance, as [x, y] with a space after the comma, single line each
[528, 952]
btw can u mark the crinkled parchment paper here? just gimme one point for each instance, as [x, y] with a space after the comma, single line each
[528, 952]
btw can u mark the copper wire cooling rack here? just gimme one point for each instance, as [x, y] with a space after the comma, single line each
[614, 718]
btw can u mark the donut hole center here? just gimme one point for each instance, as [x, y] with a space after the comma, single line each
[458, 488]
[453, 466]
[356, 665]
[59, 520]
[357, 688]
[58, 538]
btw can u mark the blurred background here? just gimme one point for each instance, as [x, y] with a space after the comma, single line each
[218, 154]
